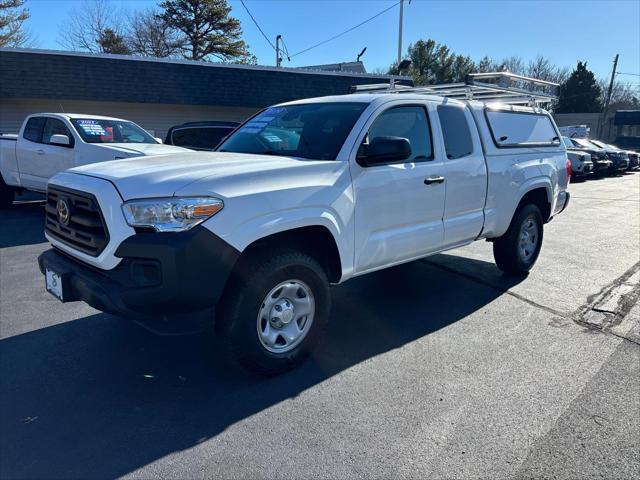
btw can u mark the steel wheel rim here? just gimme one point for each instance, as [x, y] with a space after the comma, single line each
[285, 316]
[529, 238]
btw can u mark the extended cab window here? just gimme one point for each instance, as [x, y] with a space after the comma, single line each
[307, 130]
[33, 129]
[455, 131]
[408, 122]
[520, 129]
[54, 126]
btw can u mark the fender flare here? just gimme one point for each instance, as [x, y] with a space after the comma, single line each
[528, 186]
[263, 226]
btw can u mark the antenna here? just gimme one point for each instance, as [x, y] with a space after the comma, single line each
[360, 54]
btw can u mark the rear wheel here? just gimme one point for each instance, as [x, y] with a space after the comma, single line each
[517, 250]
[274, 311]
[6, 194]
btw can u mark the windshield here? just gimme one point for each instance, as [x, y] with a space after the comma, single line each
[312, 130]
[567, 142]
[110, 131]
[599, 144]
[585, 143]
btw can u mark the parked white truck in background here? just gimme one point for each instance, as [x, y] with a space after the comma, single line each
[303, 195]
[49, 143]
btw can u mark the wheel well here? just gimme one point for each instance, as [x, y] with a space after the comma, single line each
[316, 241]
[539, 198]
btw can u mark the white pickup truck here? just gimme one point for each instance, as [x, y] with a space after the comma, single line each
[49, 143]
[303, 195]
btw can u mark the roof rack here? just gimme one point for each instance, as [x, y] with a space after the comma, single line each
[504, 87]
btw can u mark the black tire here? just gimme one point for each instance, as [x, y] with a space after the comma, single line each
[506, 249]
[253, 279]
[6, 194]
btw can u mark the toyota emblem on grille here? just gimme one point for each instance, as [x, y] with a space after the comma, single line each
[63, 212]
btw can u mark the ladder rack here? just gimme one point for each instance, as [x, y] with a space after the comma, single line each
[504, 87]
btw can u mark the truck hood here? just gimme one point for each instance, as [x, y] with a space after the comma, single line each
[166, 175]
[138, 149]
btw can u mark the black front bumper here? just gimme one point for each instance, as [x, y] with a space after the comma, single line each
[167, 281]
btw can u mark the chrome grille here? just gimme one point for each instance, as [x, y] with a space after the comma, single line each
[75, 219]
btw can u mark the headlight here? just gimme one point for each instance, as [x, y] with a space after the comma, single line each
[172, 214]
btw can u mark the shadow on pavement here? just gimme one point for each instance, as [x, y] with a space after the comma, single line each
[23, 223]
[100, 397]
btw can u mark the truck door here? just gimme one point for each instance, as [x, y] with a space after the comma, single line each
[399, 205]
[466, 173]
[49, 158]
[28, 151]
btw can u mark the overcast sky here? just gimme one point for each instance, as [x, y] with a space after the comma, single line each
[564, 31]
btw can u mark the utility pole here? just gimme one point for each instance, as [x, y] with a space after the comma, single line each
[609, 92]
[613, 77]
[400, 32]
[278, 59]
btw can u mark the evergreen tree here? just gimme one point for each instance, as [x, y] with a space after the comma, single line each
[111, 42]
[433, 63]
[207, 27]
[580, 93]
[12, 16]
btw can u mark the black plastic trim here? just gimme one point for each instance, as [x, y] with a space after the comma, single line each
[193, 269]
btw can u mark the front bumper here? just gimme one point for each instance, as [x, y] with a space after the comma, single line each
[583, 169]
[618, 165]
[601, 166]
[170, 282]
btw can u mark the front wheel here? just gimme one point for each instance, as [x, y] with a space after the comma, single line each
[517, 250]
[6, 194]
[274, 311]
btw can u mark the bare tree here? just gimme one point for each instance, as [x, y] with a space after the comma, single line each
[623, 95]
[93, 27]
[149, 35]
[542, 68]
[12, 17]
[513, 64]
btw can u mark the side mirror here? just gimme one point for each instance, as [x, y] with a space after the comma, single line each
[383, 150]
[61, 140]
[159, 140]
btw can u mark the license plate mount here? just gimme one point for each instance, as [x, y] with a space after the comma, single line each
[54, 284]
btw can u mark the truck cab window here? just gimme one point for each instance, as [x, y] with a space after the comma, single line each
[33, 129]
[408, 122]
[455, 131]
[54, 126]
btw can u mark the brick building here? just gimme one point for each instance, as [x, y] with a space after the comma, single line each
[155, 93]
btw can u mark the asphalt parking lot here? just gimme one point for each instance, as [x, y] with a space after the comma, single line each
[441, 368]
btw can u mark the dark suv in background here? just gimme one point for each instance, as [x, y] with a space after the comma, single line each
[618, 156]
[601, 163]
[199, 135]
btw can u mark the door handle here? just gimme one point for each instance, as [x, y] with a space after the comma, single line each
[432, 180]
[40, 152]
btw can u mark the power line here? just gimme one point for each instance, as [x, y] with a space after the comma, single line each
[346, 31]
[256, 23]
[286, 50]
[622, 73]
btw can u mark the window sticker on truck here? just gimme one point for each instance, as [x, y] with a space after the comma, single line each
[91, 127]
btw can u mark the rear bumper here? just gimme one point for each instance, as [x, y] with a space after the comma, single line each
[167, 281]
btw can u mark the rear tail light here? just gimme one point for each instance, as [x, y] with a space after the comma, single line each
[568, 171]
